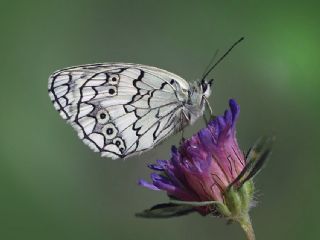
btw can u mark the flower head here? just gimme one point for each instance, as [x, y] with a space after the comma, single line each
[210, 168]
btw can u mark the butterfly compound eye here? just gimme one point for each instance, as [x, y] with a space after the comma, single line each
[204, 86]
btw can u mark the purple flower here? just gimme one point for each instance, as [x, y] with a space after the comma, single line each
[210, 167]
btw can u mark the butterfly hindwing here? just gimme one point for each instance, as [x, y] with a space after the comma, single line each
[119, 109]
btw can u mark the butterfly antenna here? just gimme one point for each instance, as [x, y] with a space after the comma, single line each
[221, 58]
[210, 63]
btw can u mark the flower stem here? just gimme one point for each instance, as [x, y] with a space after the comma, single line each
[246, 225]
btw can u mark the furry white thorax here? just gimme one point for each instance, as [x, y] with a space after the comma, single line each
[197, 95]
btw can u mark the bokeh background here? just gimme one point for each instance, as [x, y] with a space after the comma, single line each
[54, 187]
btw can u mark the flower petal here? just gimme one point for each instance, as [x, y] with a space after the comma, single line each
[156, 167]
[235, 110]
[146, 184]
[206, 139]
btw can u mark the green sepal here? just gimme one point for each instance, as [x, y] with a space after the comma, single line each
[194, 204]
[259, 157]
[221, 207]
[246, 194]
[255, 161]
[238, 200]
[234, 201]
[166, 210]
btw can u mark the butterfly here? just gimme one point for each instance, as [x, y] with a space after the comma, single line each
[122, 109]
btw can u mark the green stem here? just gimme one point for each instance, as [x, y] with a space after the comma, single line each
[246, 225]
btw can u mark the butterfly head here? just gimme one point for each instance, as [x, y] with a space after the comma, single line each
[199, 91]
[205, 87]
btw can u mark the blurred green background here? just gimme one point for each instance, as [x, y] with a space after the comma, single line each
[54, 187]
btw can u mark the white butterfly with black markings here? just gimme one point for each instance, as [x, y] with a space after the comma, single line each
[121, 109]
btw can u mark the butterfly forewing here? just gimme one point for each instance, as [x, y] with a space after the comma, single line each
[120, 109]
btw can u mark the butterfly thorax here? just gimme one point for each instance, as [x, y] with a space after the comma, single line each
[197, 95]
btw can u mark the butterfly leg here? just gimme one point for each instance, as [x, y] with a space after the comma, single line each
[183, 117]
[182, 137]
[210, 109]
